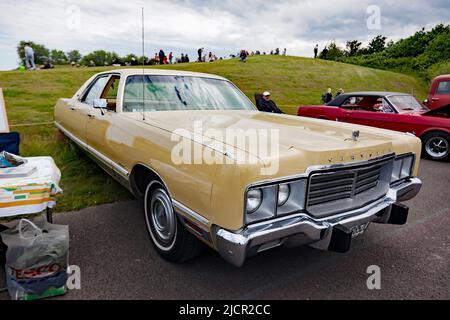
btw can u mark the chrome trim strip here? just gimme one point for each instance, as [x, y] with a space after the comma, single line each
[190, 212]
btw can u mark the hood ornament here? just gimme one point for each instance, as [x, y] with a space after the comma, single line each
[355, 136]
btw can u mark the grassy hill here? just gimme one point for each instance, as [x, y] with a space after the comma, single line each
[30, 97]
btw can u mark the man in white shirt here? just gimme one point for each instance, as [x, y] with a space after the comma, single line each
[29, 57]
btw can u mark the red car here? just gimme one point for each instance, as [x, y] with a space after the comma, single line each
[390, 110]
[439, 94]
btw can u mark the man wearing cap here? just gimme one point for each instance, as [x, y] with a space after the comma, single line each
[267, 105]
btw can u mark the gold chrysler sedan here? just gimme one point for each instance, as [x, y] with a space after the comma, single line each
[209, 167]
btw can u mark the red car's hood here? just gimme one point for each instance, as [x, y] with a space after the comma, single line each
[445, 110]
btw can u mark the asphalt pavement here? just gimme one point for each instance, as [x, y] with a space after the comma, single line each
[111, 246]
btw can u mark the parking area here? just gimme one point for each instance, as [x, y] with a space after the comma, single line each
[111, 246]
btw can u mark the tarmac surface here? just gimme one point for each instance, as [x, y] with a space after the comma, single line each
[111, 246]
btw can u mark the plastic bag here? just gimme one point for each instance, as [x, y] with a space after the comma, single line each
[36, 259]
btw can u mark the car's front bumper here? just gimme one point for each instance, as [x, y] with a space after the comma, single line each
[330, 233]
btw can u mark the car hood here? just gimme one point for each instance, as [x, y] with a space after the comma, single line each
[321, 140]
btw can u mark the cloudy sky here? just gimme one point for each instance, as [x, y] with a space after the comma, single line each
[221, 26]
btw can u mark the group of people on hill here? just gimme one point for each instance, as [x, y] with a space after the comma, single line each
[162, 58]
[328, 95]
[29, 60]
[210, 57]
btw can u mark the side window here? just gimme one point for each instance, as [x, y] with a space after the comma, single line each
[110, 92]
[443, 88]
[95, 91]
[385, 107]
[112, 88]
[352, 102]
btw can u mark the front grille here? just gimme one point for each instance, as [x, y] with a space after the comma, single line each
[347, 188]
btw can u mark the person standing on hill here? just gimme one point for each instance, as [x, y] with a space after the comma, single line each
[161, 56]
[170, 57]
[339, 92]
[327, 96]
[186, 58]
[200, 51]
[316, 51]
[29, 56]
[324, 53]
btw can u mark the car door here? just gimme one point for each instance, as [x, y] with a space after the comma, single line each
[80, 108]
[100, 133]
[441, 96]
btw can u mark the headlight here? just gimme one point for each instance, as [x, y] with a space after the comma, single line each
[274, 200]
[254, 199]
[402, 168]
[283, 194]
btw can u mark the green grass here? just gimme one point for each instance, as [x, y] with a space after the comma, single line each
[30, 97]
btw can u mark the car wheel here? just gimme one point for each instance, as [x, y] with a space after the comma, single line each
[436, 146]
[168, 235]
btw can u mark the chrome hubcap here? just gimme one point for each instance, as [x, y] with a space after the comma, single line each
[437, 147]
[162, 217]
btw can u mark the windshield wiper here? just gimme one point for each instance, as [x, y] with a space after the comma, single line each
[179, 97]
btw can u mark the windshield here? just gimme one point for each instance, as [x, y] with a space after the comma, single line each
[163, 93]
[406, 103]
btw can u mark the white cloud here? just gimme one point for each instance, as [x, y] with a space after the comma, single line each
[223, 26]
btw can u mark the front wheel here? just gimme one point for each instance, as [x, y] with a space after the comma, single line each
[436, 146]
[170, 238]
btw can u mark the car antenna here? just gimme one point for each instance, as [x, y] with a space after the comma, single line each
[143, 68]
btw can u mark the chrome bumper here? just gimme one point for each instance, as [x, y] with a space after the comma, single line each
[329, 233]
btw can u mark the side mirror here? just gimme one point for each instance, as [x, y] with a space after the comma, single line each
[100, 103]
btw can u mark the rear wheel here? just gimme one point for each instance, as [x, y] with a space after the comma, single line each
[170, 238]
[436, 145]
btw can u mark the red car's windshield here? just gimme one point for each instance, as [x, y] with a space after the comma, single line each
[406, 103]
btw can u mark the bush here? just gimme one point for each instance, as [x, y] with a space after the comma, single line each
[438, 69]
[424, 53]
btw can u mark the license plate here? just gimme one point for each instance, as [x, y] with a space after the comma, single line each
[359, 229]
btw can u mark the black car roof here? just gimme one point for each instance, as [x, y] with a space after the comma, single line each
[374, 93]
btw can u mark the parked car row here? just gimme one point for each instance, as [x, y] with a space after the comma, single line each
[331, 181]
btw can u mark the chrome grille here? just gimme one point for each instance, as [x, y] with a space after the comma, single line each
[347, 188]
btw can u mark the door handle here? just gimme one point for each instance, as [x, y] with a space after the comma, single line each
[91, 116]
[348, 113]
[434, 99]
[73, 108]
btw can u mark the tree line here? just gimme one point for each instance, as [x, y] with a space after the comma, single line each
[426, 53]
[58, 57]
